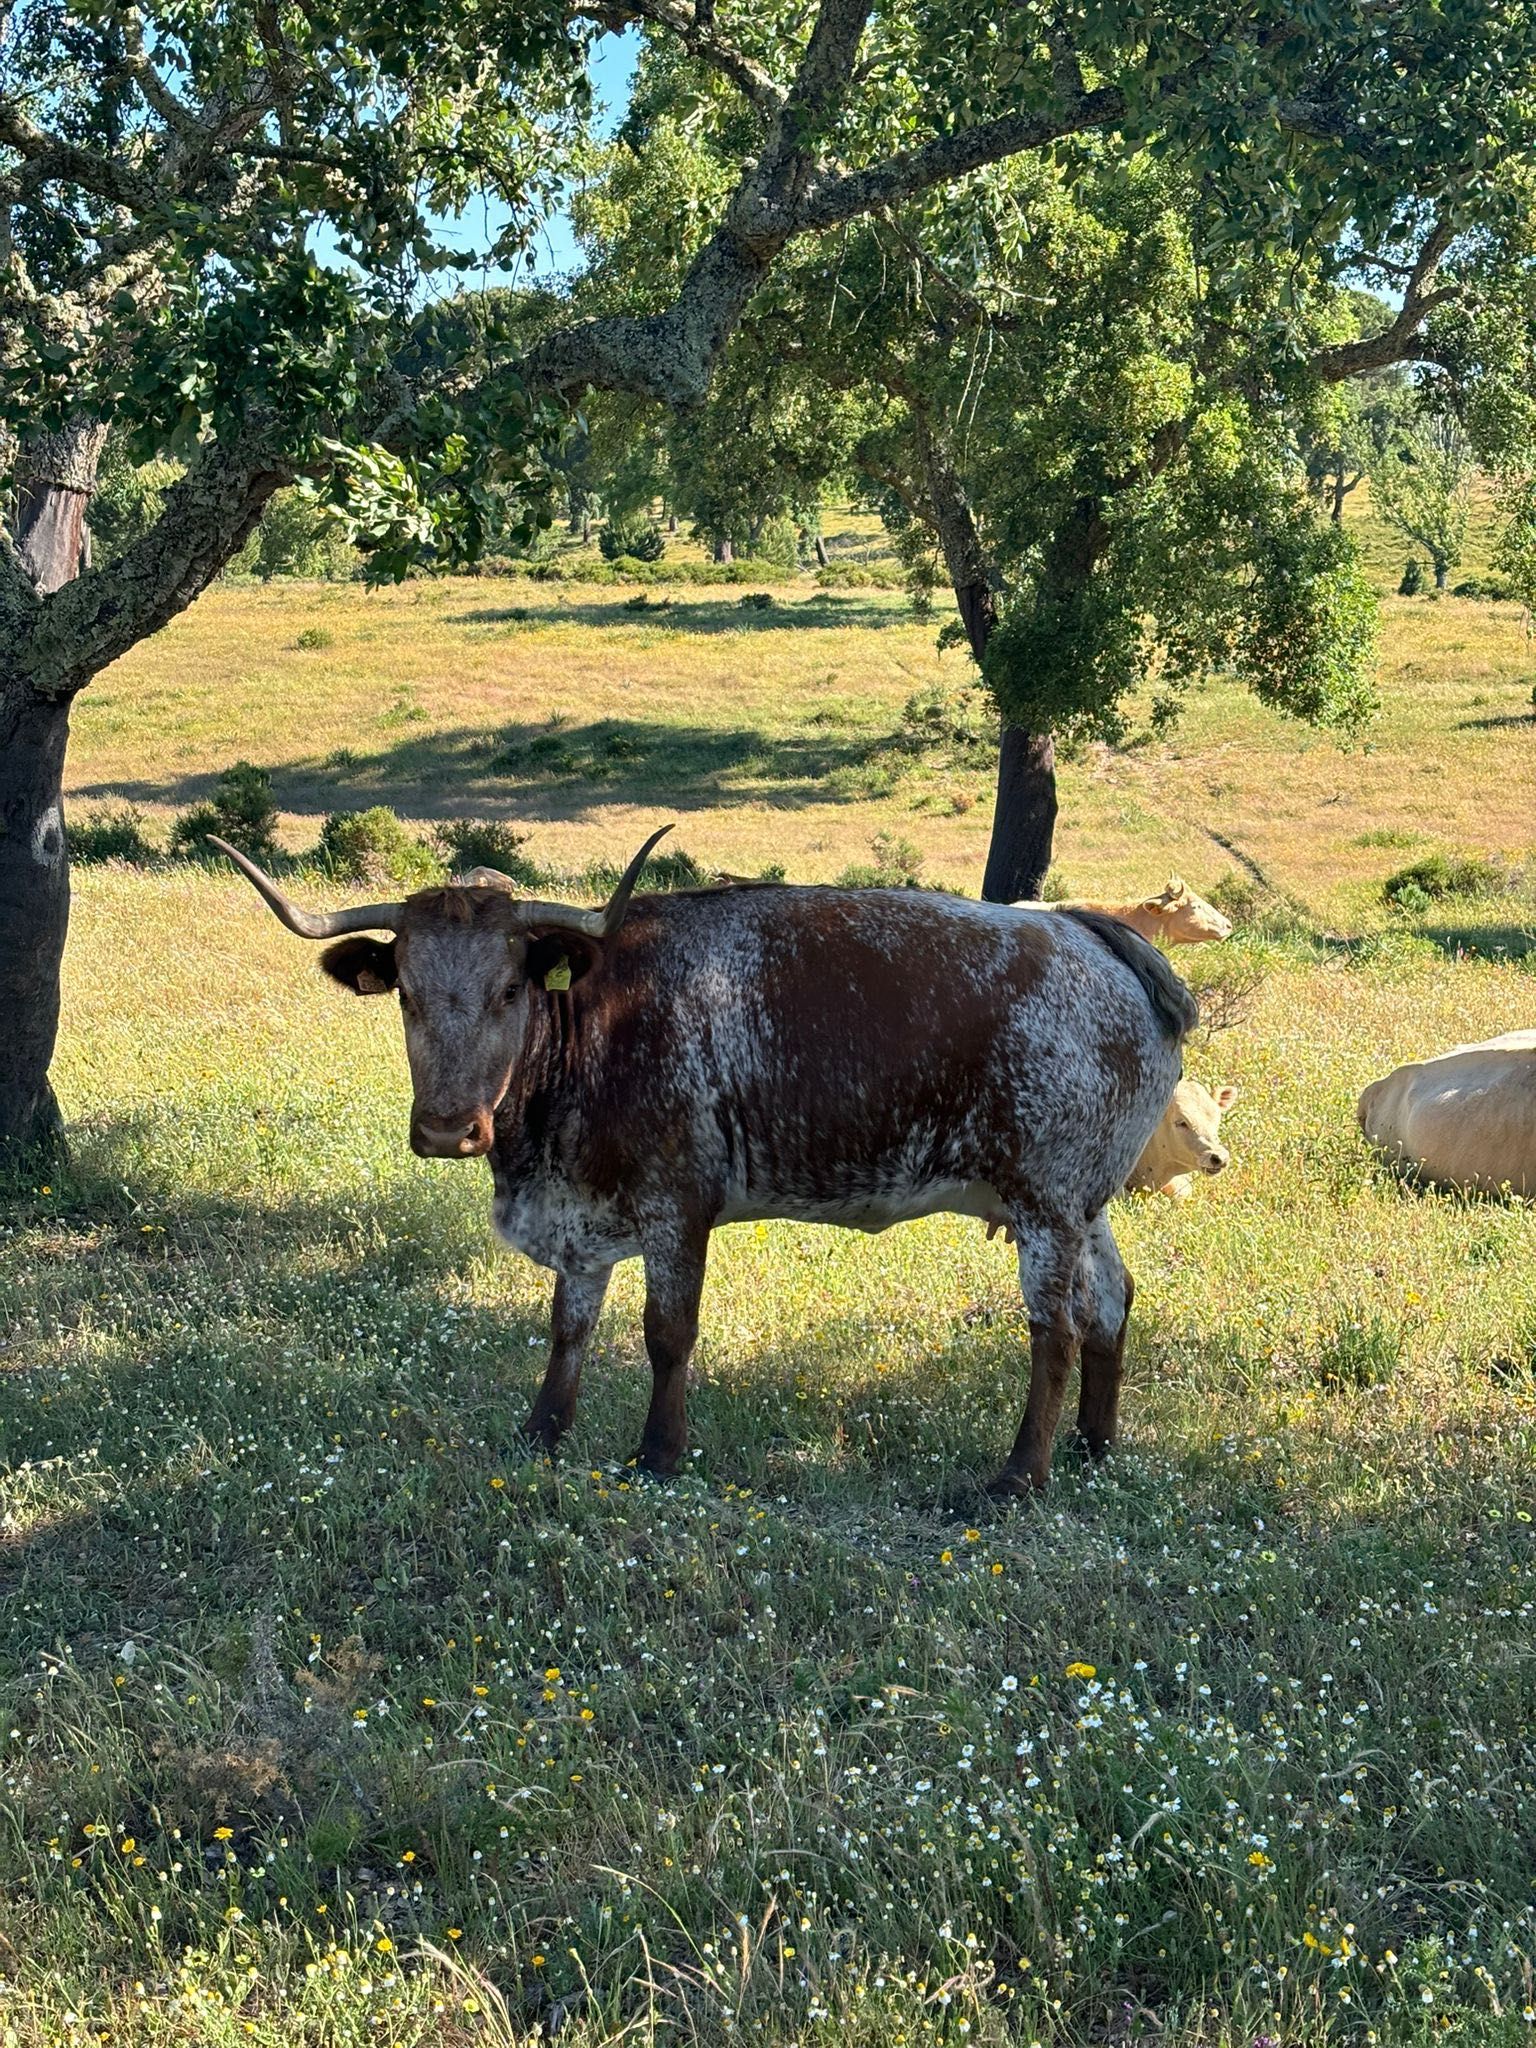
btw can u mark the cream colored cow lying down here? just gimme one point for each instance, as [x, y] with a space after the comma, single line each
[1466, 1118]
[1178, 917]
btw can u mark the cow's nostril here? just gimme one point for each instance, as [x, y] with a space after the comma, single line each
[450, 1137]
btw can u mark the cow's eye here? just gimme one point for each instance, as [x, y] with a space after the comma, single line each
[1179, 1124]
[511, 992]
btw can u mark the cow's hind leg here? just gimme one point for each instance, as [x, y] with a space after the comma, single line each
[674, 1280]
[1048, 1258]
[1102, 1304]
[578, 1303]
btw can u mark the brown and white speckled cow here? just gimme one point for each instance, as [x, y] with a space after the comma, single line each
[639, 1075]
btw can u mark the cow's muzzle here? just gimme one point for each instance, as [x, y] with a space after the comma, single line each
[1216, 1161]
[466, 1136]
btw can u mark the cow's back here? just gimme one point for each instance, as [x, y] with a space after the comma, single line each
[1466, 1118]
[838, 1051]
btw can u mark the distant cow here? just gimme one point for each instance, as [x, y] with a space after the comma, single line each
[1178, 916]
[1464, 1119]
[639, 1074]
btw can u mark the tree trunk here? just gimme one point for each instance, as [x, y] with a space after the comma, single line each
[1024, 823]
[724, 552]
[55, 477]
[1339, 488]
[820, 546]
[1442, 572]
[1024, 818]
[671, 522]
[34, 917]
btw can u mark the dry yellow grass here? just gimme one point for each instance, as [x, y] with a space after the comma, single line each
[753, 730]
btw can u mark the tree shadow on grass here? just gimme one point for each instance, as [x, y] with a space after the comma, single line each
[266, 1483]
[667, 613]
[1501, 723]
[1487, 941]
[559, 771]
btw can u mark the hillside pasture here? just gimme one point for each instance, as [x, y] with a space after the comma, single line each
[332, 1718]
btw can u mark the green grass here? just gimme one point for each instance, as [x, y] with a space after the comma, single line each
[331, 1719]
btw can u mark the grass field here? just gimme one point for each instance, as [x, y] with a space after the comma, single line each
[330, 1719]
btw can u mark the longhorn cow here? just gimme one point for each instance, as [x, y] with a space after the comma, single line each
[638, 1075]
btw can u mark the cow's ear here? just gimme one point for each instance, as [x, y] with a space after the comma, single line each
[366, 966]
[1225, 1097]
[558, 960]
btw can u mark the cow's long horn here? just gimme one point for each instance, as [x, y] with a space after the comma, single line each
[613, 914]
[596, 924]
[312, 924]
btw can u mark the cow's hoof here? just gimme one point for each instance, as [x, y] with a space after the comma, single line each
[1089, 1450]
[540, 1439]
[656, 1464]
[1012, 1485]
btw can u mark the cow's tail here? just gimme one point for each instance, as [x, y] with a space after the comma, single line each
[1174, 1006]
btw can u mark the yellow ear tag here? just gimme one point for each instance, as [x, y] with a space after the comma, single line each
[559, 976]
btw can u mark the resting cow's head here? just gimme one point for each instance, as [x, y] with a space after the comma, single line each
[467, 962]
[1193, 1124]
[1184, 918]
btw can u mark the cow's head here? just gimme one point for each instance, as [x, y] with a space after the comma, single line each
[1194, 1127]
[468, 961]
[1184, 918]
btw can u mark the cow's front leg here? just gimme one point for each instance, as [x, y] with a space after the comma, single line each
[578, 1303]
[674, 1280]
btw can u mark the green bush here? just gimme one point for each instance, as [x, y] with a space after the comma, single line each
[673, 870]
[778, 543]
[1437, 875]
[240, 810]
[898, 864]
[962, 720]
[127, 500]
[1413, 578]
[292, 539]
[1492, 584]
[313, 637]
[375, 846]
[756, 601]
[111, 832]
[633, 536]
[1358, 1352]
[466, 843]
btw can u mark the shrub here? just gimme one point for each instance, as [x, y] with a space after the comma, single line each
[633, 536]
[1358, 1352]
[961, 719]
[1438, 875]
[375, 846]
[293, 539]
[778, 543]
[898, 864]
[1261, 911]
[315, 636]
[466, 843]
[240, 810]
[673, 870]
[1493, 584]
[756, 601]
[111, 832]
[1413, 578]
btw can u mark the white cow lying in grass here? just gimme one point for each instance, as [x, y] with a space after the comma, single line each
[1464, 1119]
[1186, 1142]
[1178, 916]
